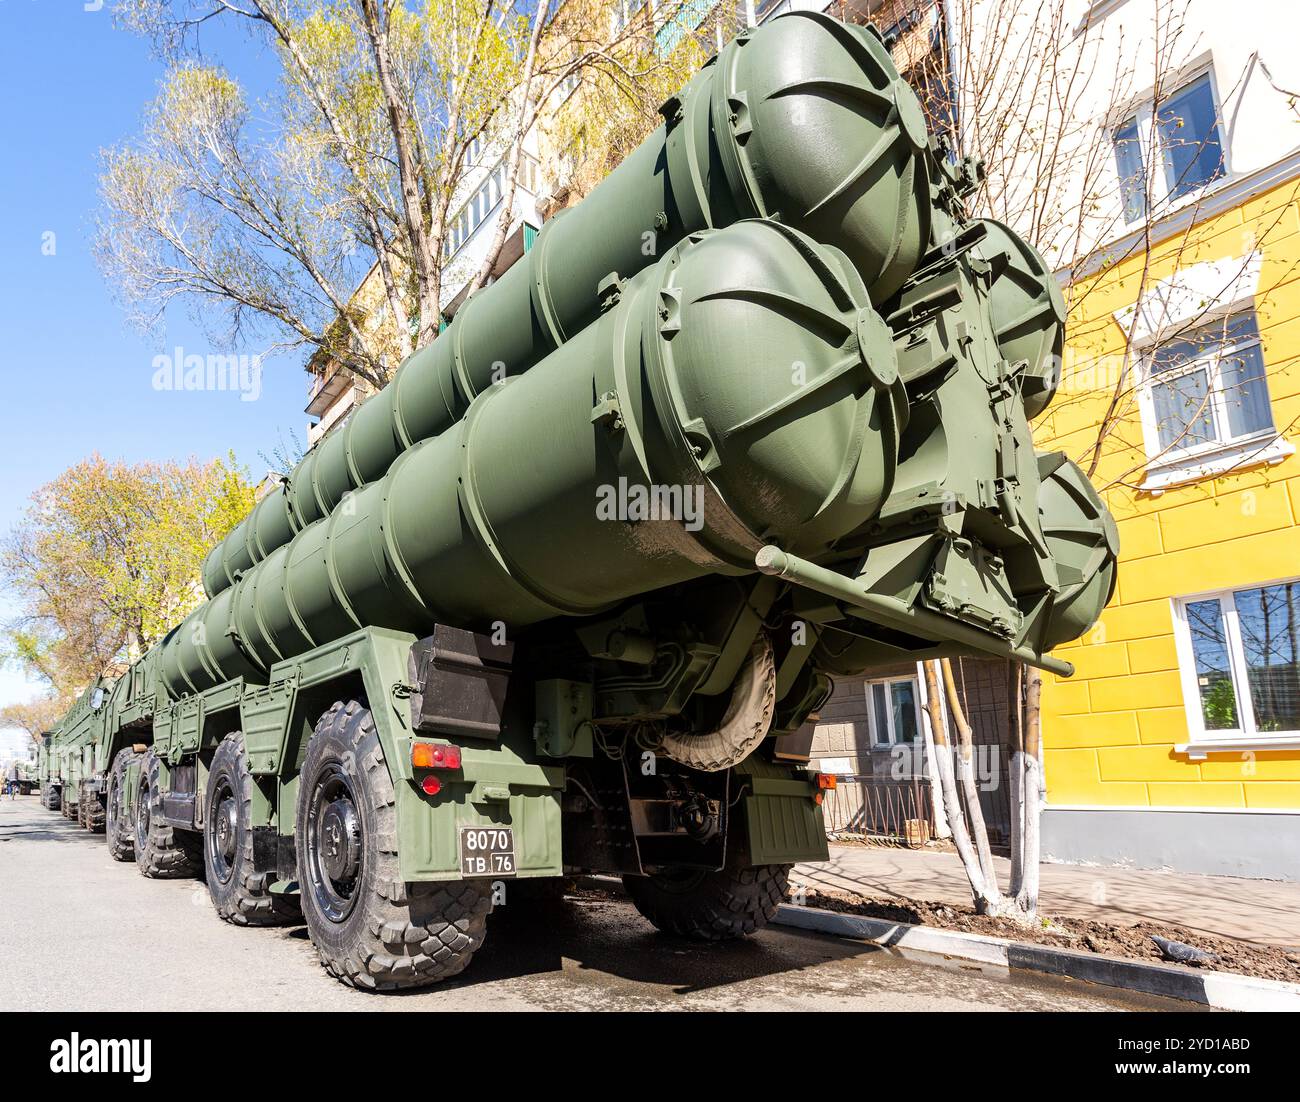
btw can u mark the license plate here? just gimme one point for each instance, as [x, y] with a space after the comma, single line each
[487, 851]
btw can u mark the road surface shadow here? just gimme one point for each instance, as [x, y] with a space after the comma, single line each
[606, 935]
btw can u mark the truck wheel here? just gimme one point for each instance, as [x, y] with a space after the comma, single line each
[372, 929]
[161, 852]
[118, 825]
[240, 895]
[710, 906]
[92, 811]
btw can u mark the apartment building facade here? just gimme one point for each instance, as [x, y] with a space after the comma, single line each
[1177, 742]
[1173, 221]
[476, 213]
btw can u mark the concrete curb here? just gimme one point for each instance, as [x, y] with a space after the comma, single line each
[1221, 990]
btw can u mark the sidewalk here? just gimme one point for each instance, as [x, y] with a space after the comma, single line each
[1263, 911]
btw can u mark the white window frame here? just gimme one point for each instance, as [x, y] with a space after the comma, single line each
[1189, 463]
[1158, 202]
[1246, 736]
[872, 733]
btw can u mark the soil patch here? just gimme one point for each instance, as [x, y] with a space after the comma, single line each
[1263, 961]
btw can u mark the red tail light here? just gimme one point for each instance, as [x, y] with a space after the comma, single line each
[435, 755]
[431, 785]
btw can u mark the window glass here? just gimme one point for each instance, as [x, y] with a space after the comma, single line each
[1213, 666]
[1210, 385]
[880, 713]
[903, 698]
[1132, 172]
[1269, 620]
[1182, 411]
[1188, 125]
[1245, 390]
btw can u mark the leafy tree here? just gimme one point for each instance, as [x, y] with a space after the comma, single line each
[267, 216]
[107, 559]
[613, 107]
[35, 716]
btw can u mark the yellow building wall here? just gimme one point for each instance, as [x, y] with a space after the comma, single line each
[1109, 731]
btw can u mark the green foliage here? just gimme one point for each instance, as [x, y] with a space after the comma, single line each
[107, 560]
[1219, 705]
[35, 716]
[617, 105]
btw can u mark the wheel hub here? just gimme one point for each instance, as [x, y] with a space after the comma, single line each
[142, 814]
[225, 829]
[340, 835]
[335, 864]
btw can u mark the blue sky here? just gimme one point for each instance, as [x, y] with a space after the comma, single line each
[77, 377]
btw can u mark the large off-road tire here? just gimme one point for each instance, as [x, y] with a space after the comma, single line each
[91, 816]
[710, 906]
[119, 826]
[50, 798]
[240, 895]
[372, 929]
[71, 805]
[161, 852]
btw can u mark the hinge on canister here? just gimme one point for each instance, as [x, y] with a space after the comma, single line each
[608, 412]
[609, 290]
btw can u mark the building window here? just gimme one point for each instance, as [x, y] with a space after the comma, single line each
[1184, 133]
[769, 9]
[1206, 391]
[893, 711]
[685, 17]
[625, 11]
[1241, 663]
[484, 202]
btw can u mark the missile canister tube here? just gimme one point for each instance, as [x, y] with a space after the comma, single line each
[746, 377]
[1027, 310]
[804, 119]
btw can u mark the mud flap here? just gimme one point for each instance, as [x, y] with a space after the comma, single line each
[783, 824]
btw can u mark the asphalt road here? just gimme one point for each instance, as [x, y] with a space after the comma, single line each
[79, 931]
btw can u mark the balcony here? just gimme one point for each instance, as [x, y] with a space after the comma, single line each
[326, 388]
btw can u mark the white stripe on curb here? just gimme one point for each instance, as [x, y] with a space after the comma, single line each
[1222, 990]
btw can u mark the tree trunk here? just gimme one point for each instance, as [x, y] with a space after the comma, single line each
[1027, 891]
[941, 827]
[948, 786]
[1016, 730]
[422, 260]
[966, 775]
[526, 119]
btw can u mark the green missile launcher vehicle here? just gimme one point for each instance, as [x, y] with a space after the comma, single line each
[28, 777]
[47, 773]
[568, 595]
